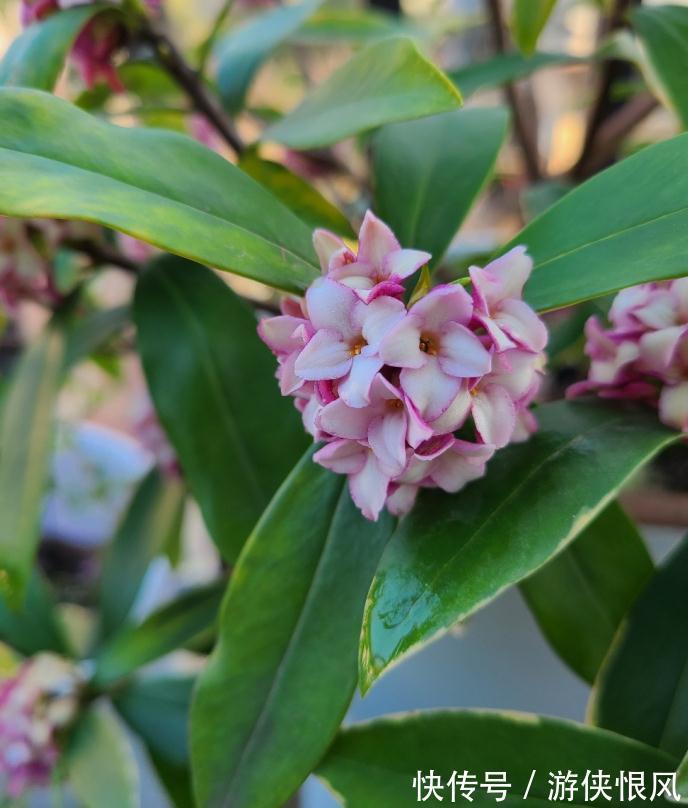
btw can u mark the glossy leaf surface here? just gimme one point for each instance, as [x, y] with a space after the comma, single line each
[281, 678]
[212, 382]
[386, 82]
[580, 597]
[59, 162]
[453, 554]
[502, 69]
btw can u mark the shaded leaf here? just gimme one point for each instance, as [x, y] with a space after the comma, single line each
[37, 55]
[643, 235]
[153, 517]
[374, 764]
[580, 597]
[56, 161]
[281, 678]
[35, 626]
[664, 32]
[244, 49]
[26, 433]
[386, 82]
[428, 173]
[306, 202]
[212, 381]
[453, 554]
[89, 332]
[351, 25]
[165, 630]
[528, 19]
[642, 690]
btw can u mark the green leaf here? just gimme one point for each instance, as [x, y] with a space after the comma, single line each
[35, 626]
[212, 381]
[166, 630]
[154, 515]
[643, 235]
[664, 32]
[528, 19]
[642, 690]
[87, 333]
[281, 678]
[37, 56]
[101, 765]
[428, 173]
[332, 25]
[503, 69]
[241, 53]
[57, 161]
[307, 203]
[682, 779]
[580, 597]
[26, 432]
[374, 764]
[453, 554]
[386, 82]
[537, 198]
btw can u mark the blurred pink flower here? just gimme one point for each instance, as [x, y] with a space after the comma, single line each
[386, 386]
[644, 354]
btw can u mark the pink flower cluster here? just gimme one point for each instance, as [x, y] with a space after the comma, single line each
[386, 386]
[35, 704]
[644, 355]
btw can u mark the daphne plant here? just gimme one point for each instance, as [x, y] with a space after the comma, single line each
[169, 219]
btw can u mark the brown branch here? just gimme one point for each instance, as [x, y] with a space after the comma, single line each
[104, 254]
[203, 101]
[526, 134]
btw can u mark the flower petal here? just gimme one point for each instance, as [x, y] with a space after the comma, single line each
[342, 456]
[326, 245]
[375, 241]
[501, 279]
[343, 421]
[401, 346]
[494, 414]
[368, 487]
[402, 499]
[325, 356]
[387, 438]
[460, 465]
[278, 333]
[446, 303]
[522, 324]
[429, 388]
[462, 354]
[355, 390]
[331, 306]
[378, 318]
[673, 406]
[456, 413]
[402, 263]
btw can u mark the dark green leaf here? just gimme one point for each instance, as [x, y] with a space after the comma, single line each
[580, 597]
[642, 690]
[664, 32]
[154, 515]
[428, 173]
[682, 779]
[537, 198]
[56, 161]
[453, 554]
[212, 381]
[281, 678]
[35, 626]
[528, 19]
[26, 433]
[386, 82]
[101, 764]
[307, 203]
[37, 56]
[373, 765]
[244, 49]
[502, 69]
[643, 235]
[166, 630]
[86, 334]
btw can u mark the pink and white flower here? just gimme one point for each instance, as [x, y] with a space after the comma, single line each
[644, 354]
[386, 386]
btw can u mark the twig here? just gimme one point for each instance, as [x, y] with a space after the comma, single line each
[104, 254]
[206, 48]
[203, 101]
[525, 134]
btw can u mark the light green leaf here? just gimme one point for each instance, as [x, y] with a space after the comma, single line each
[374, 764]
[306, 202]
[331, 25]
[153, 517]
[281, 678]
[212, 381]
[37, 56]
[528, 19]
[580, 597]
[101, 764]
[664, 32]
[682, 779]
[26, 432]
[503, 69]
[643, 235]
[539, 197]
[244, 49]
[35, 626]
[58, 162]
[386, 82]
[87, 333]
[642, 690]
[166, 630]
[453, 554]
[428, 173]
